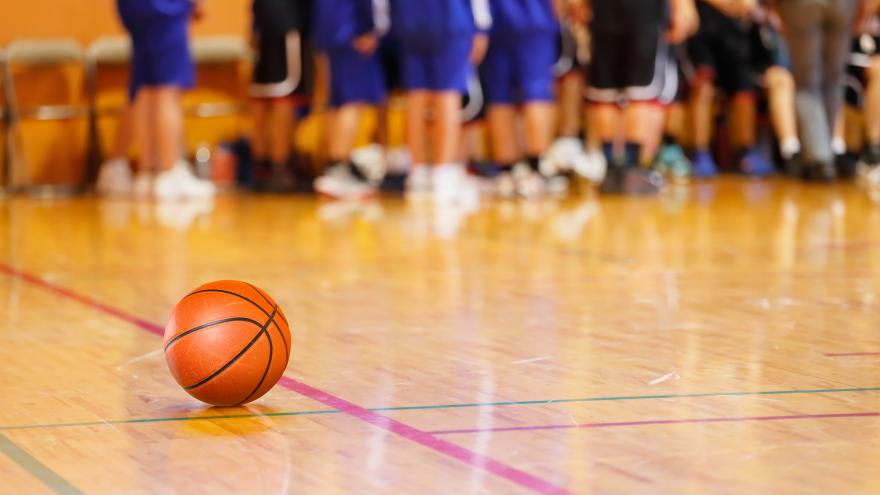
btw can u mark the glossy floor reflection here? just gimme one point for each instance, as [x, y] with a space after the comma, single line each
[724, 338]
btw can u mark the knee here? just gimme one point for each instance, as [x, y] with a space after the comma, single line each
[779, 80]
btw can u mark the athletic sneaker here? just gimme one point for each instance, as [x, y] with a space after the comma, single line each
[704, 166]
[530, 184]
[115, 178]
[180, 183]
[447, 183]
[341, 182]
[142, 187]
[872, 178]
[503, 185]
[673, 162]
[419, 180]
[632, 181]
[754, 163]
[591, 165]
[820, 172]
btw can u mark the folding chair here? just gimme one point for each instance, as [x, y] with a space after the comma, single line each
[46, 82]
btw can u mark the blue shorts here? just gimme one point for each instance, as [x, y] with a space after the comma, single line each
[355, 78]
[520, 70]
[443, 68]
[161, 56]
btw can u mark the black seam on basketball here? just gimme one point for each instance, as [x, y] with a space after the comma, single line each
[266, 298]
[265, 371]
[207, 325]
[236, 294]
[237, 356]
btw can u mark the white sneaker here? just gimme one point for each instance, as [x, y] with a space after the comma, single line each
[180, 183]
[504, 186]
[339, 183]
[115, 178]
[143, 185]
[419, 180]
[872, 177]
[448, 182]
[529, 183]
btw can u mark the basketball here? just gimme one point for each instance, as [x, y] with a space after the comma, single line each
[227, 343]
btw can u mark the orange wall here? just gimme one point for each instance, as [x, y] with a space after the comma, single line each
[86, 20]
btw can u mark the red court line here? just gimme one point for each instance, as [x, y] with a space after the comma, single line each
[734, 419]
[426, 439]
[851, 354]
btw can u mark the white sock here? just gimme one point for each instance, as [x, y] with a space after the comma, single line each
[838, 146]
[789, 147]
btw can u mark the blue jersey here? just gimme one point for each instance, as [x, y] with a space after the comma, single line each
[336, 23]
[149, 9]
[156, 25]
[513, 18]
[432, 23]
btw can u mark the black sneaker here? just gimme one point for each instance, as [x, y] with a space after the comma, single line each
[820, 172]
[846, 165]
[793, 166]
[632, 180]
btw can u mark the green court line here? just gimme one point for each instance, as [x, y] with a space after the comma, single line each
[36, 468]
[445, 406]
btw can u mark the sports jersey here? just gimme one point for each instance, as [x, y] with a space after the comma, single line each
[338, 22]
[427, 24]
[512, 18]
[623, 16]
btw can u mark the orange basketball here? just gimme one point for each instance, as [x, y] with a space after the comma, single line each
[227, 343]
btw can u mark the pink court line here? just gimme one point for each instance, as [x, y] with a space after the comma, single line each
[425, 439]
[734, 419]
[851, 354]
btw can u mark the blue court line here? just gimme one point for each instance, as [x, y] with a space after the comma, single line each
[281, 414]
[36, 468]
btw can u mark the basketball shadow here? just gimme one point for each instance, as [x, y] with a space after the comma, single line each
[211, 421]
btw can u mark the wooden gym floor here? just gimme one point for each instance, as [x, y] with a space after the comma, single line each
[722, 339]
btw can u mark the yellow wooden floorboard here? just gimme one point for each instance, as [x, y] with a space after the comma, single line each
[640, 345]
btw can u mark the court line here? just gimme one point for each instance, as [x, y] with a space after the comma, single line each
[281, 414]
[726, 419]
[37, 469]
[851, 354]
[415, 435]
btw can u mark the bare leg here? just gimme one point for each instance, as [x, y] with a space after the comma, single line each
[259, 140]
[167, 125]
[445, 127]
[571, 89]
[125, 132]
[645, 124]
[872, 103]
[342, 130]
[502, 134]
[539, 127]
[781, 90]
[701, 112]
[281, 130]
[743, 121]
[144, 117]
[416, 126]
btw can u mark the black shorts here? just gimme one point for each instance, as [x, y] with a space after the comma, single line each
[389, 54]
[723, 46]
[864, 49]
[633, 66]
[284, 67]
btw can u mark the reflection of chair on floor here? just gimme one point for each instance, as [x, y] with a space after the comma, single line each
[49, 112]
[109, 61]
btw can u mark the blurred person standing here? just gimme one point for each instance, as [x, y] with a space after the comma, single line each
[818, 34]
